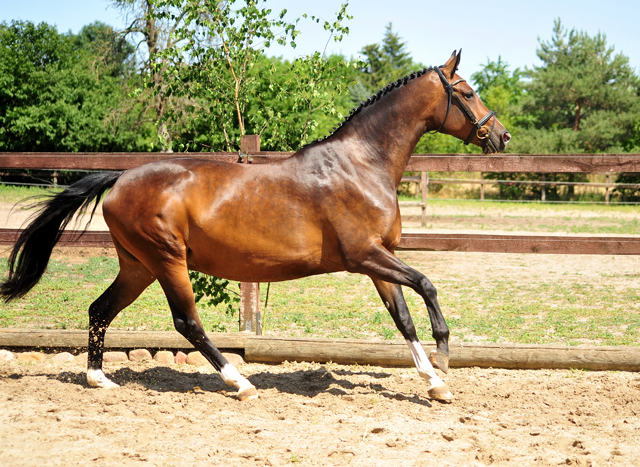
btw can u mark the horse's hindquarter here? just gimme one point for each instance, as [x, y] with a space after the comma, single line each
[239, 222]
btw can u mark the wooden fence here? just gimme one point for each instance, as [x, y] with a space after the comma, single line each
[250, 153]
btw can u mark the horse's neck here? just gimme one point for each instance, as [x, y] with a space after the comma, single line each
[389, 130]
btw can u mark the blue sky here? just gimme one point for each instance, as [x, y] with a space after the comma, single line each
[432, 29]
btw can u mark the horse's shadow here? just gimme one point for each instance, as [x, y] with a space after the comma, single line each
[306, 383]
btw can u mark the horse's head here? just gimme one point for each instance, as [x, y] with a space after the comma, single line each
[467, 119]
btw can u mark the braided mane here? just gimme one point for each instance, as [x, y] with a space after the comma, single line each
[373, 99]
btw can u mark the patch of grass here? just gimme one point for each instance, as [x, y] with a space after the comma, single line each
[348, 306]
[14, 193]
[61, 301]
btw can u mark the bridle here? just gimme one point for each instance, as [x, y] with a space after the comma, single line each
[477, 124]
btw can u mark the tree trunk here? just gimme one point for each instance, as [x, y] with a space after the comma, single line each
[576, 120]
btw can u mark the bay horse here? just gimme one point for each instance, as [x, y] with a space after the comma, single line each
[332, 206]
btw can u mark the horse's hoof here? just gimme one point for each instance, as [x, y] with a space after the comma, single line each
[439, 359]
[97, 379]
[247, 394]
[441, 394]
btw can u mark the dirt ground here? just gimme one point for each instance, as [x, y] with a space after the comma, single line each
[312, 414]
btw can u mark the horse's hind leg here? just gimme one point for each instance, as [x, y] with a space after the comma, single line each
[132, 280]
[177, 287]
[393, 300]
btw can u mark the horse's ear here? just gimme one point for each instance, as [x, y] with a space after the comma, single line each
[452, 64]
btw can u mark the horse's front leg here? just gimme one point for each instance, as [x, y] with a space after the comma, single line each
[381, 264]
[393, 300]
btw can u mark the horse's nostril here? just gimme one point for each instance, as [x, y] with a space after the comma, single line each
[506, 137]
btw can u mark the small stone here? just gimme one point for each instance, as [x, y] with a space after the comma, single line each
[164, 357]
[31, 357]
[63, 357]
[181, 357]
[196, 359]
[448, 435]
[233, 358]
[6, 356]
[82, 358]
[139, 355]
[110, 357]
[375, 431]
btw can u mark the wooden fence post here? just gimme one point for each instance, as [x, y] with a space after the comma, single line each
[544, 189]
[250, 291]
[424, 186]
[606, 190]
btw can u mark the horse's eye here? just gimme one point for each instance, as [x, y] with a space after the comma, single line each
[469, 95]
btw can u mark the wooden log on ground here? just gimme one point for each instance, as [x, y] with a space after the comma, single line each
[115, 339]
[344, 351]
[349, 351]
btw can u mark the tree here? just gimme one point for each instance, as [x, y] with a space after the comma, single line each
[152, 24]
[385, 62]
[500, 89]
[584, 88]
[57, 91]
[233, 88]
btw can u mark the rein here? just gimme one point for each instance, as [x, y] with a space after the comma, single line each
[477, 124]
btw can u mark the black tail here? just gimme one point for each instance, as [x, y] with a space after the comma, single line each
[30, 255]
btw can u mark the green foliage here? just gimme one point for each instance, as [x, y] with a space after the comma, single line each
[58, 92]
[218, 65]
[628, 194]
[215, 290]
[583, 87]
[386, 62]
[500, 89]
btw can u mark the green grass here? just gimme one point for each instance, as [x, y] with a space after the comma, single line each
[14, 193]
[345, 305]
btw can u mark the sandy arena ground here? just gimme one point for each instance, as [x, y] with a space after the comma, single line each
[310, 414]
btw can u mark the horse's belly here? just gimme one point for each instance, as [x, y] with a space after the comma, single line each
[264, 259]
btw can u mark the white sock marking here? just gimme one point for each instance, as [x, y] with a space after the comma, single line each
[232, 377]
[425, 369]
[97, 379]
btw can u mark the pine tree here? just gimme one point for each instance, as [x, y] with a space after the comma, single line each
[386, 62]
[583, 92]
